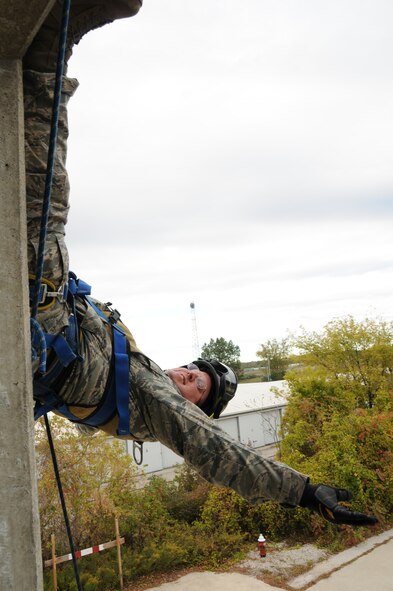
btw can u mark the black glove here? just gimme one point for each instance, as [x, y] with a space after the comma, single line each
[324, 500]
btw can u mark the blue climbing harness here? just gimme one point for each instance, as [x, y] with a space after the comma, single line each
[67, 351]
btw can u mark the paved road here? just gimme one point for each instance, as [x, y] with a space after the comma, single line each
[371, 569]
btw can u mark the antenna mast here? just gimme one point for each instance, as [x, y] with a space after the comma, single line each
[194, 332]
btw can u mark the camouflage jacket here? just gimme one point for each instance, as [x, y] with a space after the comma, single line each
[158, 412]
[157, 409]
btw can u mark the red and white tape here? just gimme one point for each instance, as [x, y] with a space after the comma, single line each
[85, 552]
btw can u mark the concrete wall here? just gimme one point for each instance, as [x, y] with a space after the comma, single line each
[19, 21]
[20, 548]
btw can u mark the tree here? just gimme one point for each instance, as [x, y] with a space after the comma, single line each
[225, 351]
[357, 355]
[98, 477]
[338, 427]
[275, 356]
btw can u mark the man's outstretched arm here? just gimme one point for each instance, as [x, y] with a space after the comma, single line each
[184, 428]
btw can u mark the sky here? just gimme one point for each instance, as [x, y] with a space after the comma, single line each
[237, 156]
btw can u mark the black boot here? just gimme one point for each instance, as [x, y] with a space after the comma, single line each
[85, 15]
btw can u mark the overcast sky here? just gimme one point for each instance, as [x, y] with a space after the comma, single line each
[237, 155]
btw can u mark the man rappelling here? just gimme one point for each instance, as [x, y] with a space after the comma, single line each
[95, 374]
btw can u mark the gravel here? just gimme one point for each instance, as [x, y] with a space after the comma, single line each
[281, 560]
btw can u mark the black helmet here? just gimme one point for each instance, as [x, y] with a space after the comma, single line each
[224, 384]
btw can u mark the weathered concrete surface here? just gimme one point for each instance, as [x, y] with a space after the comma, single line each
[20, 547]
[216, 582]
[19, 21]
[369, 572]
[20, 563]
[338, 561]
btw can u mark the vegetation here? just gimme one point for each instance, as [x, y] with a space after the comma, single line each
[358, 356]
[225, 351]
[97, 477]
[274, 355]
[162, 523]
[338, 428]
[338, 425]
[251, 372]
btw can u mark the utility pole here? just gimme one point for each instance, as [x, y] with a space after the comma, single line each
[20, 546]
[194, 333]
[269, 375]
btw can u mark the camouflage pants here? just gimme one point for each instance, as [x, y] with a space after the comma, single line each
[38, 98]
[158, 411]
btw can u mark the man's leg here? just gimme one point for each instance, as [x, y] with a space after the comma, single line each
[39, 81]
[38, 98]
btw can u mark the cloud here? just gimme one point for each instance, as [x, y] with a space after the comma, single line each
[238, 156]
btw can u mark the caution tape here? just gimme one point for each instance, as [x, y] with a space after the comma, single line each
[85, 552]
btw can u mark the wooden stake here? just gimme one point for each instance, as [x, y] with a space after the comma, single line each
[118, 544]
[53, 542]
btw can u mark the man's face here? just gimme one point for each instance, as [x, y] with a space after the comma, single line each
[194, 384]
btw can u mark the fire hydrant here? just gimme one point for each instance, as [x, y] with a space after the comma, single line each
[262, 546]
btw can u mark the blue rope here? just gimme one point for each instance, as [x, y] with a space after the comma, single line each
[51, 158]
[62, 502]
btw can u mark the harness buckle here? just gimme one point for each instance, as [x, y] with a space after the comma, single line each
[47, 292]
[114, 316]
[44, 293]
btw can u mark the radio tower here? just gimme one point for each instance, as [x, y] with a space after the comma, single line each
[194, 332]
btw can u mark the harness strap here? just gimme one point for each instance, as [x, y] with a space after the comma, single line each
[51, 403]
[62, 347]
[121, 381]
[77, 286]
[66, 348]
[98, 417]
[121, 371]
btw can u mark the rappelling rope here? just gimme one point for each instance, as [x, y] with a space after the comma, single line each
[62, 502]
[51, 158]
[37, 335]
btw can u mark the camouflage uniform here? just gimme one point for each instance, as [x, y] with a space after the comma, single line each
[157, 409]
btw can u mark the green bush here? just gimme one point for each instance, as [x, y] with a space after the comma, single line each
[107, 576]
[222, 511]
[338, 425]
[92, 584]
